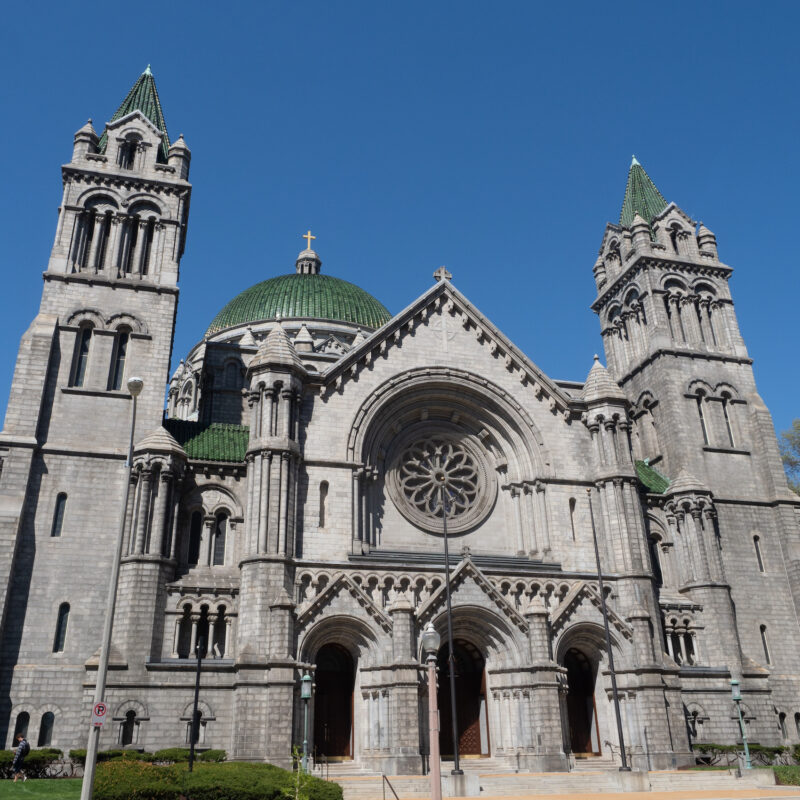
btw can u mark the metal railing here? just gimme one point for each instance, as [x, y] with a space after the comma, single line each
[386, 782]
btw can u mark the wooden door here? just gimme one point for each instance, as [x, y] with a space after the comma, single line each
[470, 696]
[333, 703]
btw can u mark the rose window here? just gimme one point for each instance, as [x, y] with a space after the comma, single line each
[423, 466]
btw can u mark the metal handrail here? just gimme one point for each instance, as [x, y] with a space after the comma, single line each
[384, 782]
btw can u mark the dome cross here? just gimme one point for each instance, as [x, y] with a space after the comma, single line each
[308, 237]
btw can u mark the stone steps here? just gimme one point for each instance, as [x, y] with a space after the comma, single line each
[477, 783]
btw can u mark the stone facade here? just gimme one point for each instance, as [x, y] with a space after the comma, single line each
[285, 511]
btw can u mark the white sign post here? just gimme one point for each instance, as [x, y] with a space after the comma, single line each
[98, 714]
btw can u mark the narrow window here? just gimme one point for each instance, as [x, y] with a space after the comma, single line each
[673, 237]
[149, 232]
[220, 534]
[726, 403]
[699, 400]
[797, 724]
[757, 545]
[60, 638]
[656, 562]
[129, 243]
[765, 644]
[21, 725]
[572, 516]
[127, 730]
[82, 355]
[120, 354]
[697, 309]
[195, 729]
[219, 636]
[126, 154]
[323, 503]
[195, 532]
[58, 514]
[782, 726]
[90, 229]
[185, 633]
[677, 654]
[668, 309]
[46, 729]
[688, 641]
[106, 235]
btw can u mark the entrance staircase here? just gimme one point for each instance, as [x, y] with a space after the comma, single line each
[488, 778]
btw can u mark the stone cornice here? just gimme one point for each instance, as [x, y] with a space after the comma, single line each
[116, 283]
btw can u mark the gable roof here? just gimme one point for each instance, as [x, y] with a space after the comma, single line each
[143, 96]
[445, 296]
[575, 597]
[641, 197]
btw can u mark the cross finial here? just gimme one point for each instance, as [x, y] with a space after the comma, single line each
[308, 237]
[442, 274]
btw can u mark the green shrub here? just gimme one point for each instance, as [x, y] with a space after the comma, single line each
[788, 775]
[173, 755]
[796, 753]
[36, 765]
[213, 756]
[78, 756]
[123, 779]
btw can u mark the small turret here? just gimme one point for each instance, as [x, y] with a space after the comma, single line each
[85, 141]
[277, 351]
[180, 156]
[707, 242]
[304, 341]
[640, 232]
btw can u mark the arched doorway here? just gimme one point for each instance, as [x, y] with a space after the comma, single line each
[473, 721]
[581, 710]
[333, 703]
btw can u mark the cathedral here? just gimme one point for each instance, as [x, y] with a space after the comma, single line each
[283, 512]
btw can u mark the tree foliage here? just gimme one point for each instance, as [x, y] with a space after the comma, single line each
[790, 453]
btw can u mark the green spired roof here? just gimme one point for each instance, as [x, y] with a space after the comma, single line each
[302, 296]
[143, 97]
[217, 441]
[652, 479]
[641, 197]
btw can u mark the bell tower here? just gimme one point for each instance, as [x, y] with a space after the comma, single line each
[107, 312]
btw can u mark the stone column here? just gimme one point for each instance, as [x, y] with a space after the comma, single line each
[144, 509]
[160, 514]
[541, 493]
[532, 524]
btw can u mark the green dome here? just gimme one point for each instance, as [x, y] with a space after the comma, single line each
[305, 296]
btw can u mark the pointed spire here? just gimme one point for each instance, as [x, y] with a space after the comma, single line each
[641, 197]
[277, 350]
[143, 97]
[600, 385]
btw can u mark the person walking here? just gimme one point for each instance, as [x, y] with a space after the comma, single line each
[23, 748]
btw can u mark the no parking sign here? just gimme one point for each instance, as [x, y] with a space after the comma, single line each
[98, 714]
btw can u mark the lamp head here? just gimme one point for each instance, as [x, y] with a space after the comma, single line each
[135, 386]
[430, 640]
[736, 692]
[305, 686]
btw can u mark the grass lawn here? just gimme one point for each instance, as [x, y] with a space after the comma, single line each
[52, 788]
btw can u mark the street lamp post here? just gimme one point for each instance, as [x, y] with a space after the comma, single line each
[305, 693]
[441, 479]
[615, 694]
[430, 646]
[135, 386]
[194, 728]
[736, 694]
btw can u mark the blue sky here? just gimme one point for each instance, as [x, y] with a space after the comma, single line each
[494, 138]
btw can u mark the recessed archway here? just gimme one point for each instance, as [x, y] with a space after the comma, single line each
[471, 711]
[333, 703]
[584, 731]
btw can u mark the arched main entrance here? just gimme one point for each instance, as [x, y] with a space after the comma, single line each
[333, 703]
[581, 709]
[473, 721]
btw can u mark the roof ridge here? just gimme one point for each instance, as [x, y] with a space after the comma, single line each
[641, 196]
[143, 96]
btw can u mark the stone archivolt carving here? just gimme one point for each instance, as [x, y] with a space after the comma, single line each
[417, 465]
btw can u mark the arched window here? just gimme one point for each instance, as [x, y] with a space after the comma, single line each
[21, 725]
[572, 503]
[81, 359]
[126, 155]
[220, 535]
[60, 638]
[765, 644]
[46, 729]
[219, 634]
[195, 534]
[129, 729]
[757, 545]
[58, 514]
[688, 641]
[323, 503]
[147, 248]
[782, 726]
[655, 561]
[700, 399]
[130, 237]
[121, 341]
[674, 231]
[196, 733]
[726, 412]
[184, 647]
[202, 645]
[797, 724]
